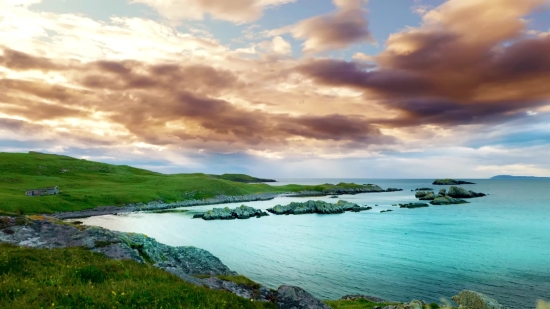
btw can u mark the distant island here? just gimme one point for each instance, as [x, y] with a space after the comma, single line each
[517, 177]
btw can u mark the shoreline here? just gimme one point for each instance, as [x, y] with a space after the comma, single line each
[220, 199]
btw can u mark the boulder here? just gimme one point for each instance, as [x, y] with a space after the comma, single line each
[420, 194]
[197, 216]
[242, 212]
[442, 192]
[318, 207]
[475, 300]
[423, 189]
[292, 297]
[386, 210]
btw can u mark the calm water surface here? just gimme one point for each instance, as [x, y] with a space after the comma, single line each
[498, 245]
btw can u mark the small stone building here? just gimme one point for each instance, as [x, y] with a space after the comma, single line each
[39, 192]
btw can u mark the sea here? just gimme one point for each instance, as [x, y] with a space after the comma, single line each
[498, 245]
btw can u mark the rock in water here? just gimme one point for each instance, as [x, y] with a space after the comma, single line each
[450, 182]
[318, 207]
[420, 194]
[475, 300]
[447, 200]
[292, 297]
[458, 192]
[428, 197]
[413, 205]
[442, 192]
[242, 212]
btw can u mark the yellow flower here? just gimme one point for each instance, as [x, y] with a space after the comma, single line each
[114, 293]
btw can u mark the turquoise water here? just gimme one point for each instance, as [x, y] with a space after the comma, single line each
[498, 245]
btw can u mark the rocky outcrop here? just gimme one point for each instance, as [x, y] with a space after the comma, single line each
[48, 233]
[292, 297]
[450, 182]
[242, 212]
[318, 207]
[413, 205]
[475, 300]
[447, 200]
[393, 190]
[442, 192]
[423, 189]
[425, 196]
[458, 192]
[386, 210]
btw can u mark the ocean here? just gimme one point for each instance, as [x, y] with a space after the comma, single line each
[498, 245]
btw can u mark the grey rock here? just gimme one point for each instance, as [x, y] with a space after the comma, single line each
[292, 297]
[450, 182]
[442, 192]
[413, 205]
[458, 192]
[242, 212]
[447, 200]
[475, 300]
[428, 197]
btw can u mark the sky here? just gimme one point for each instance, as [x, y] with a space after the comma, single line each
[281, 88]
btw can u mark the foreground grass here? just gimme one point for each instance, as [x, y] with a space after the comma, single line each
[86, 184]
[77, 278]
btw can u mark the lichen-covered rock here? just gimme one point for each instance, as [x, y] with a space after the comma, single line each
[475, 300]
[292, 297]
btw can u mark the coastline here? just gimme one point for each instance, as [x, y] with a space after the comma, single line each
[220, 199]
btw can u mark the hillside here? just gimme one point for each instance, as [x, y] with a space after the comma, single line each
[243, 178]
[87, 184]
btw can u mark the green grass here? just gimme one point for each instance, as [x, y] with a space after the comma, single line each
[77, 278]
[86, 184]
[240, 280]
[242, 178]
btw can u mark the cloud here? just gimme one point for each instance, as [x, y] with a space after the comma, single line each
[238, 11]
[454, 69]
[338, 30]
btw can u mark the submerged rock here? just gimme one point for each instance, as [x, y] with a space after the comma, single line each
[393, 190]
[365, 297]
[318, 207]
[447, 200]
[423, 189]
[458, 192]
[450, 182]
[293, 297]
[475, 300]
[386, 210]
[413, 205]
[242, 212]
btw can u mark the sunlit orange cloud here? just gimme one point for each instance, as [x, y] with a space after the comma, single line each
[142, 85]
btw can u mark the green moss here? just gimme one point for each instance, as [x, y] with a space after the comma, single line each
[78, 278]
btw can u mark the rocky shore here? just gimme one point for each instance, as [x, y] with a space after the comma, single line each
[195, 266]
[221, 199]
[317, 207]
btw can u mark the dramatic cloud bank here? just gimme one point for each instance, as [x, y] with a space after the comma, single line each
[469, 83]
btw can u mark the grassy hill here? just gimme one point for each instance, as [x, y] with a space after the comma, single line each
[242, 178]
[87, 184]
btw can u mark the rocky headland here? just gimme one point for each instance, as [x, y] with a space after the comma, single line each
[242, 212]
[317, 207]
[450, 182]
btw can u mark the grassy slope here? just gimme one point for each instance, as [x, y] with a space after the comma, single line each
[78, 278]
[242, 178]
[90, 184]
